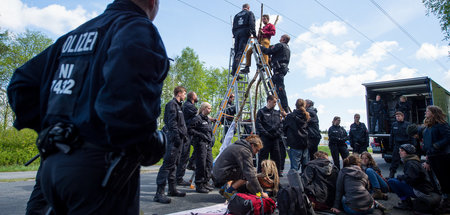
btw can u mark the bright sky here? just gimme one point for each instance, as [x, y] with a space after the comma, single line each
[335, 45]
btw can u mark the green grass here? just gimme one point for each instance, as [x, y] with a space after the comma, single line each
[18, 168]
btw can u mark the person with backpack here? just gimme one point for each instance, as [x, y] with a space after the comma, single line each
[414, 183]
[378, 185]
[352, 194]
[319, 180]
[236, 164]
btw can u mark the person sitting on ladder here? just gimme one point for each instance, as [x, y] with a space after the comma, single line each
[264, 39]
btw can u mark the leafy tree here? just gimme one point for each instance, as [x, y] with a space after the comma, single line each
[15, 50]
[441, 9]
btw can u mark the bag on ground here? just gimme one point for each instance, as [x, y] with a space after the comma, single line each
[242, 203]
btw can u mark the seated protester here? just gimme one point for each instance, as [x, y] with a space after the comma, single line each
[236, 164]
[352, 189]
[319, 179]
[378, 185]
[268, 178]
[414, 183]
[202, 139]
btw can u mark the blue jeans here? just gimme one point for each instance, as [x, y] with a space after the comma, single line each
[376, 181]
[353, 212]
[299, 158]
[401, 188]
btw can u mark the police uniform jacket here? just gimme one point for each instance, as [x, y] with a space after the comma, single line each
[313, 124]
[268, 122]
[244, 21]
[376, 107]
[189, 112]
[337, 135]
[294, 127]
[281, 54]
[398, 132]
[359, 134]
[105, 77]
[404, 107]
[174, 122]
[201, 129]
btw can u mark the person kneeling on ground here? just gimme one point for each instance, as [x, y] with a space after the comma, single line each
[414, 183]
[379, 186]
[319, 178]
[268, 178]
[236, 164]
[352, 189]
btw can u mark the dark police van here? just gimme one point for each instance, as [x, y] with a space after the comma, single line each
[420, 92]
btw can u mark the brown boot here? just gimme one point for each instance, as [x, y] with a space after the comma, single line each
[378, 195]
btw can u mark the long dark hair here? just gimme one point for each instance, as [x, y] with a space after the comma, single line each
[301, 105]
[438, 116]
[372, 162]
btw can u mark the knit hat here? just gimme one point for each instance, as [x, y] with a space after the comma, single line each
[410, 149]
[412, 129]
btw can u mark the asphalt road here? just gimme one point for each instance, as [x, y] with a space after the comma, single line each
[14, 195]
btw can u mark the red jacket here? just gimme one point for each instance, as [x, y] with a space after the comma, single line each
[268, 31]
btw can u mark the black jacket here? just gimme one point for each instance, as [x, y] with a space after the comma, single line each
[376, 107]
[189, 112]
[398, 133]
[337, 135]
[280, 56]
[230, 110]
[244, 21]
[175, 126]
[403, 107]
[105, 77]
[201, 129]
[268, 122]
[313, 124]
[294, 127]
[353, 183]
[436, 139]
[359, 134]
[415, 175]
[319, 179]
[238, 157]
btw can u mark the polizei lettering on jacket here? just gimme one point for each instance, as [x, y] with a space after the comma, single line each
[79, 43]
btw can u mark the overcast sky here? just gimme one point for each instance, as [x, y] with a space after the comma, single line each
[335, 45]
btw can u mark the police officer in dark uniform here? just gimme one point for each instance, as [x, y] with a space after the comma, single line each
[376, 112]
[243, 28]
[398, 137]
[189, 112]
[404, 106]
[280, 56]
[336, 141]
[230, 111]
[314, 135]
[359, 136]
[202, 136]
[269, 128]
[69, 95]
[176, 130]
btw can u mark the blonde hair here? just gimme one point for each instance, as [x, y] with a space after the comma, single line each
[269, 171]
[203, 106]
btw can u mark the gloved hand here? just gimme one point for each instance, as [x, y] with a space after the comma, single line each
[154, 149]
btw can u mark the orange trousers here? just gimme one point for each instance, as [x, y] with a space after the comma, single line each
[264, 42]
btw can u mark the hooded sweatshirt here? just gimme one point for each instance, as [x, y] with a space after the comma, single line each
[319, 178]
[353, 183]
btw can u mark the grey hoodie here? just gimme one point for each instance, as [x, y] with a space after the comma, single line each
[319, 178]
[353, 183]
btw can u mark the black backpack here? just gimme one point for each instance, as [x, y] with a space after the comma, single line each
[291, 200]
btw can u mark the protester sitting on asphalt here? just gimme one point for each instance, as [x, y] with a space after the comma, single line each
[319, 179]
[352, 192]
[236, 164]
[268, 177]
[414, 183]
[378, 185]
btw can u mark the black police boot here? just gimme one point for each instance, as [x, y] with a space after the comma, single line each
[200, 188]
[182, 182]
[392, 174]
[246, 70]
[208, 186]
[160, 197]
[174, 192]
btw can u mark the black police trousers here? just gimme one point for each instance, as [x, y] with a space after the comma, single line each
[313, 147]
[377, 119]
[72, 185]
[240, 41]
[37, 204]
[184, 158]
[270, 146]
[203, 161]
[359, 147]
[336, 149]
[278, 81]
[395, 163]
[167, 171]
